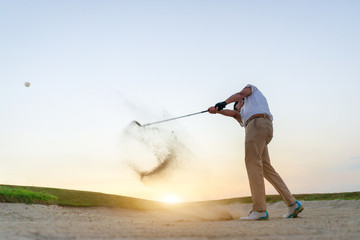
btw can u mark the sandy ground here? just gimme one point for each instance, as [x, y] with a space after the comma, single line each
[336, 219]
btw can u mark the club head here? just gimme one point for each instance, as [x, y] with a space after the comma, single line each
[137, 123]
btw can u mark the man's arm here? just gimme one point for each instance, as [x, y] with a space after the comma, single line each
[227, 112]
[239, 96]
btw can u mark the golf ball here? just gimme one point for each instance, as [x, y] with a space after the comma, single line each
[27, 84]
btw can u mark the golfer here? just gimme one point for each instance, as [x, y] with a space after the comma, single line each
[251, 110]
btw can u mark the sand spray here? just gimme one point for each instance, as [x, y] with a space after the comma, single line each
[162, 143]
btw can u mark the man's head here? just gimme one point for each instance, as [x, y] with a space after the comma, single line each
[239, 104]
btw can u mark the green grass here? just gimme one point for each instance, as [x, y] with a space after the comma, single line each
[300, 197]
[63, 197]
[92, 199]
[15, 195]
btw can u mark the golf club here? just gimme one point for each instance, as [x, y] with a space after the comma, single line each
[144, 125]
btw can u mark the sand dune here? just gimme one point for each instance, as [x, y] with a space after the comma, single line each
[337, 219]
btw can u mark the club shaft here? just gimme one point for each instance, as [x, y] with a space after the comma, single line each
[143, 125]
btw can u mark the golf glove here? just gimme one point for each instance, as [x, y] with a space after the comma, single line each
[220, 106]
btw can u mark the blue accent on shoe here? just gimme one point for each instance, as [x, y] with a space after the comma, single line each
[297, 210]
[299, 205]
[266, 217]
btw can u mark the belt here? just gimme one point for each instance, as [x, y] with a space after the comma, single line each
[263, 115]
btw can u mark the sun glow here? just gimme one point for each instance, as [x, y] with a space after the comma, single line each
[171, 199]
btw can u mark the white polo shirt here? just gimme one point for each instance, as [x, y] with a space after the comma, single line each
[255, 103]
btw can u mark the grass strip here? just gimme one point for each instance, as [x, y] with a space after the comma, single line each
[76, 198]
[300, 197]
[22, 195]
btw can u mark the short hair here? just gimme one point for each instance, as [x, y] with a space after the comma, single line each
[238, 102]
[235, 104]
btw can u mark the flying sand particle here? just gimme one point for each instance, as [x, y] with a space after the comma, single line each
[162, 166]
[163, 144]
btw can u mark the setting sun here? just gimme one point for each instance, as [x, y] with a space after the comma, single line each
[171, 199]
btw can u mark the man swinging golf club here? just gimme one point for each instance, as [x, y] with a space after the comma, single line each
[251, 110]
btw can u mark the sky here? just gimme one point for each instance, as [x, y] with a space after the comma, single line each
[96, 66]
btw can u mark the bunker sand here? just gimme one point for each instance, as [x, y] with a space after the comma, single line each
[337, 219]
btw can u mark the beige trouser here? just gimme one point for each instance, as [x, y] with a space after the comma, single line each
[258, 134]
